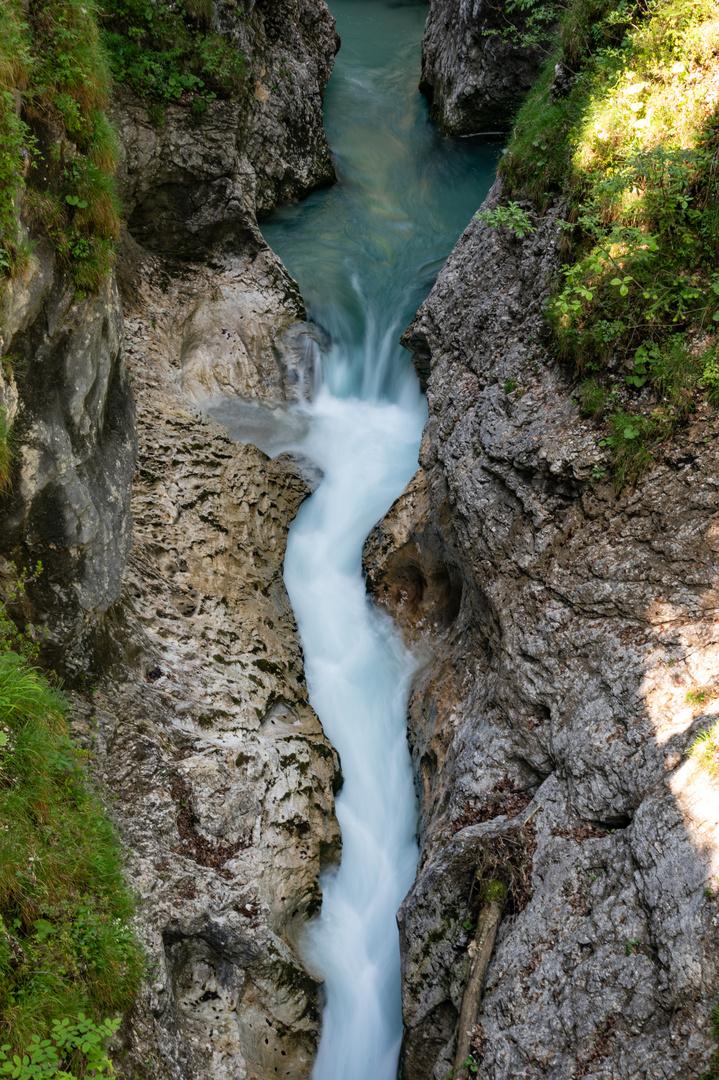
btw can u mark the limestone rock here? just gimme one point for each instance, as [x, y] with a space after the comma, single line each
[549, 722]
[474, 79]
[194, 185]
[221, 776]
[66, 390]
[185, 658]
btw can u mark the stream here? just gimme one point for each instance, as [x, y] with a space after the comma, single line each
[365, 254]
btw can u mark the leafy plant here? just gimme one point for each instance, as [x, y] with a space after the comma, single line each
[80, 1040]
[57, 156]
[511, 217]
[633, 149]
[168, 53]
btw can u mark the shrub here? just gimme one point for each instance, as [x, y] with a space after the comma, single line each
[167, 53]
[510, 217]
[78, 1044]
[58, 153]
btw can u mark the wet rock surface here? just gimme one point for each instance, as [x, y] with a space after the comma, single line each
[221, 778]
[549, 724]
[474, 78]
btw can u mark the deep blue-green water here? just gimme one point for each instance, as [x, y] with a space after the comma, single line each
[366, 251]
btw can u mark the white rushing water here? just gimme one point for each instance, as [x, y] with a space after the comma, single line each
[358, 674]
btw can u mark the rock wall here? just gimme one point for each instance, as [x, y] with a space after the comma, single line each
[65, 390]
[474, 78]
[163, 600]
[563, 628]
[221, 777]
[191, 184]
[190, 188]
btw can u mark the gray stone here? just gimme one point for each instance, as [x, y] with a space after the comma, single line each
[74, 437]
[554, 690]
[195, 185]
[222, 779]
[474, 78]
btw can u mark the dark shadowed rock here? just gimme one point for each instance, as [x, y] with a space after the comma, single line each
[193, 185]
[473, 79]
[68, 397]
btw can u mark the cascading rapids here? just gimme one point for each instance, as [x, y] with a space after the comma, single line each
[364, 253]
[358, 674]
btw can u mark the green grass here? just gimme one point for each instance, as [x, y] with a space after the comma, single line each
[700, 695]
[634, 149]
[705, 749]
[59, 153]
[66, 939]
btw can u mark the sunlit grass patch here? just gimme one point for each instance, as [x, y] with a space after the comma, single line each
[705, 749]
[634, 149]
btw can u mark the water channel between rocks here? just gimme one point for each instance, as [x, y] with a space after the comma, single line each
[365, 253]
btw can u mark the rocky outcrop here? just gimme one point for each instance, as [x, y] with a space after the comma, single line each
[221, 778]
[566, 631]
[65, 391]
[176, 631]
[474, 75]
[191, 185]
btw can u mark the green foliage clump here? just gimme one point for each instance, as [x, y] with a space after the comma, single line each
[57, 148]
[676, 375]
[633, 148]
[705, 750]
[66, 940]
[80, 1044]
[529, 23]
[167, 53]
[510, 217]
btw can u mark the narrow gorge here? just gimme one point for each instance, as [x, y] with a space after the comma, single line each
[245, 294]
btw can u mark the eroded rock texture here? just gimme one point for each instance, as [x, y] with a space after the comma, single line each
[183, 651]
[563, 628]
[474, 78]
[193, 185]
[222, 779]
